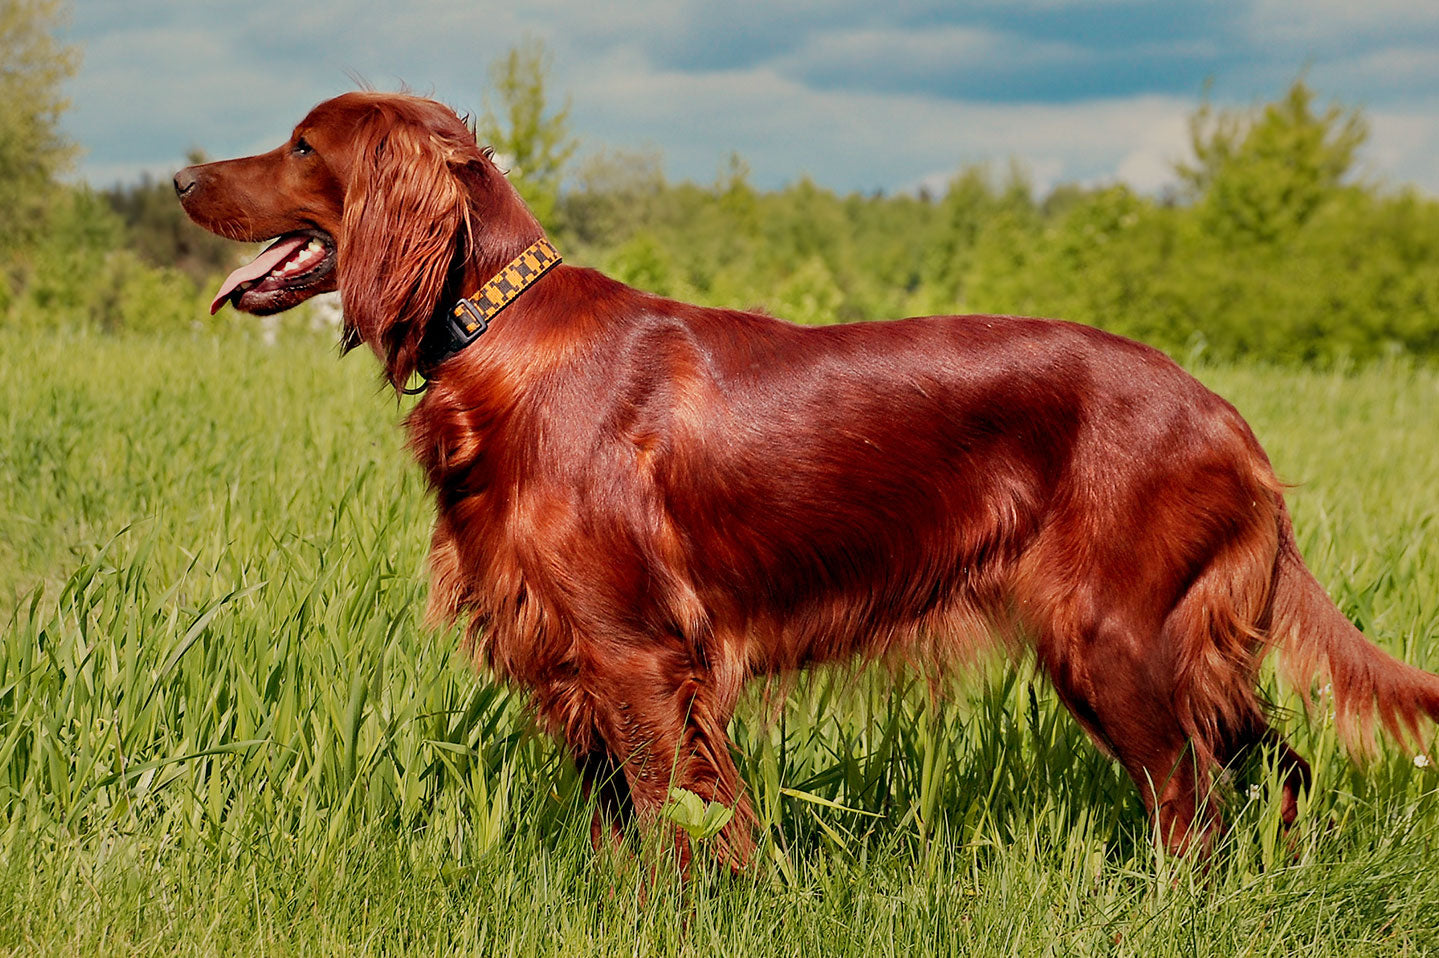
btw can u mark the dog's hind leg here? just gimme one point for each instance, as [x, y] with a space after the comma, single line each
[1121, 696]
[1157, 690]
[1152, 631]
[1294, 773]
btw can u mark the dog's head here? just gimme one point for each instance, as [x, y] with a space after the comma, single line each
[385, 197]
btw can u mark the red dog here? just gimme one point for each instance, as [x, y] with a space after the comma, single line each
[643, 503]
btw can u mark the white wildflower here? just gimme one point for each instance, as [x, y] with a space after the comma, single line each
[1421, 760]
[326, 313]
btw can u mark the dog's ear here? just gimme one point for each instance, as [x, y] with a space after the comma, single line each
[406, 218]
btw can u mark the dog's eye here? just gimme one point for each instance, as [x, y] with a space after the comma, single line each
[302, 148]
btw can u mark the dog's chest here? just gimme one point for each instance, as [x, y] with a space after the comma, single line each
[458, 441]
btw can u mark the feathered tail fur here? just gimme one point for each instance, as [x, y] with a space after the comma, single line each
[1315, 639]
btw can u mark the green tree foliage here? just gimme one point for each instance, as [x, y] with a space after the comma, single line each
[32, 148]
[1271, 250]
[533, 140]
[1274, 252]
[615, 195]
[69, 255]
[83, 274]
[1259, 178]
[159, 233]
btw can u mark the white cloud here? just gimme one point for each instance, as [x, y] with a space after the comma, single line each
[857, 140]
[1392, 73]
[1317, 24]
[1164, 141]
[863, 51]
[1403, 147]
[835, 90]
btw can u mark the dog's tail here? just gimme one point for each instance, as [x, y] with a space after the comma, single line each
[1315, 639]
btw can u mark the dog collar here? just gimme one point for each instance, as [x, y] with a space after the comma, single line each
[470, 317]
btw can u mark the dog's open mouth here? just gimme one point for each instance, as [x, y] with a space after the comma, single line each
[290, 270]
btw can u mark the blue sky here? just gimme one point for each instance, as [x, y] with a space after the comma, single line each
[856, 95]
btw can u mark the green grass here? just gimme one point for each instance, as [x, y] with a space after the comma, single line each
[223, 730]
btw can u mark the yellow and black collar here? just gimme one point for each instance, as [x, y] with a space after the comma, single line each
[471, 316]
[467, 320]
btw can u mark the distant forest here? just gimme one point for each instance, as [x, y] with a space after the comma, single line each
[1271, 248]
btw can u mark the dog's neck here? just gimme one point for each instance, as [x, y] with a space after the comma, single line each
[495, 229]
[452, 329]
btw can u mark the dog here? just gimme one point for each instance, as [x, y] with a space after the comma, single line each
[643, 504]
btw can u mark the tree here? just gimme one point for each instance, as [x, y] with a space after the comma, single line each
[1261, 176]
[159, 232]
[32, 148]
[532, 142]
[615, 195]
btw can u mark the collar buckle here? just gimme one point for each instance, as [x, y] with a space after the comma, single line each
[471, 316]
[467, 323]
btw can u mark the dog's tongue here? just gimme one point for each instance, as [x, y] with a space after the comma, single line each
[273, 256]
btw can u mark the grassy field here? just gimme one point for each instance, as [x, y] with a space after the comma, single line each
[223, 730]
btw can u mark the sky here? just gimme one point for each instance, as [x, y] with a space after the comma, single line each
[855, 94]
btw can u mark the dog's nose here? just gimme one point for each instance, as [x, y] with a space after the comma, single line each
[184, 181]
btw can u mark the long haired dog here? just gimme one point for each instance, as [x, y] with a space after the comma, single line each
[642, 503]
